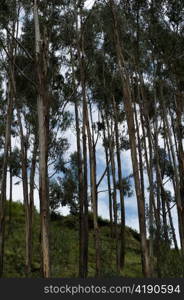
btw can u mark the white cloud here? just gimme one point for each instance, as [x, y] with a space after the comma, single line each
[89, 3]
[130, 203]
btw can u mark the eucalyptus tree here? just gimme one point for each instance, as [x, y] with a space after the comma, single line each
[123, 59]
[10, 19]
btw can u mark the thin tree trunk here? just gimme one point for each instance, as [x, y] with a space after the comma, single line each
[9, 115]
[31, 197]
[4, 178]
[172, 227]
[145, 122]
[94, 153]
[108, 176]
[82, 165]
[85, 197]
[43, 126]
[174, 186]
[176, 175]
[83, 262]
[83, 220]
[164, 215]
[93, 196]
[120, 182]
[114, 196]
[179, 135]
[24, 162]
[131, 129]
[158, 192]
[11, 189]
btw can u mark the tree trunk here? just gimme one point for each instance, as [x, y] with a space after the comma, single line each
[176, 176]
[145, 122]
[179, 135]
[172, 227]
[108, 176]
[31, 196]
[131, 129]
[82, 164]
[83, 248]
[114, 195]
[43, 126]
[85, 197]
[4, 178]
[11, 190]
[24, 163]
[120, 182]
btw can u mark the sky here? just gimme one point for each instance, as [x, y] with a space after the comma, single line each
[89, 3]
[103, 211]
[130, 203]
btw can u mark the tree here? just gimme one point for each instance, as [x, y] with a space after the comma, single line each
[41, 46]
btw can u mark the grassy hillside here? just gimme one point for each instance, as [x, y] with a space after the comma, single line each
[64, 249]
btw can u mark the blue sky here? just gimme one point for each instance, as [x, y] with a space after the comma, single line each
[103, 210]
[130, 203]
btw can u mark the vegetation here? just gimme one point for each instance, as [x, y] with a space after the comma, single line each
[64, 248]
[108, 73]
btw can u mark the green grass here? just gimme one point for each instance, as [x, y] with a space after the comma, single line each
[64, 251]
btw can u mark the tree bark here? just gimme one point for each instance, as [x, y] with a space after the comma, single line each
[4, 178]
[131, 129]
[31, 196]
[120, 183]
[176, 176]
[114, 195]
[11, 189]
[43, 125]
[24, 162]
[108, 176]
